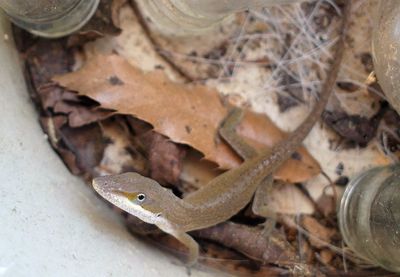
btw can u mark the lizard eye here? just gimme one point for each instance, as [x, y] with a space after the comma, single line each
[141, 197]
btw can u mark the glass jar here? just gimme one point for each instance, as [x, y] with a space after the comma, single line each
[369, 216]
[182, 17]
[386, 50]
[49, 18]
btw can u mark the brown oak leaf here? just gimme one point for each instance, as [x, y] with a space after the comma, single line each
[187, 114]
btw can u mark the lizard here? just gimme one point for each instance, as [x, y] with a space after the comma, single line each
[225, 195]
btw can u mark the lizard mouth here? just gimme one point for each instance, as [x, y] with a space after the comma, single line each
[113, 196]
[99, 186]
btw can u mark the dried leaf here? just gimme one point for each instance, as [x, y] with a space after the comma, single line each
[326, 256]
[46, 59]
[51, 126]
[79, 115]
[104, 22]
[287, 199]
[122, 152]
[151, 97]
[62, 101]
[135, 147]
[355, 129]
[86, 143]
[81, 148]
[165, 158]
[388, 134]
[258, 130]
[317, 231]
[188, 114]
[327, 204]
[197, 172]
[51, 94]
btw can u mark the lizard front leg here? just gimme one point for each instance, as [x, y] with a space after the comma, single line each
[227, 131]
[191, 245]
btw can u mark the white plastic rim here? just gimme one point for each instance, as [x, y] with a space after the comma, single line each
[51, 223]
[193, 17]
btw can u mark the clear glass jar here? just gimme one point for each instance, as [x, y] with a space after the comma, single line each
[182, 17]
[49, 18]
[386, 50]
[369, 216]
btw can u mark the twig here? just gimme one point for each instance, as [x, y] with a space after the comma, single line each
[147, 31]
[252, 242]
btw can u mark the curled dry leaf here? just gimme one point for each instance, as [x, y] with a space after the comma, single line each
[187, 114]
[122, 152]
[355, 129]
[165, 158]
[327, 204]
[81, 148]
[86, 143]
[44, 60]
[320, 235]
[41, 65]
[51, 126]
[132, 147]
[61, 101]
[104, 22]
[326, 256]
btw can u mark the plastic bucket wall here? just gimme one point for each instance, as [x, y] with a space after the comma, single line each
[51, 223]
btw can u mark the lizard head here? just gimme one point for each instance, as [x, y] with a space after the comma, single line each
[135, 194]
